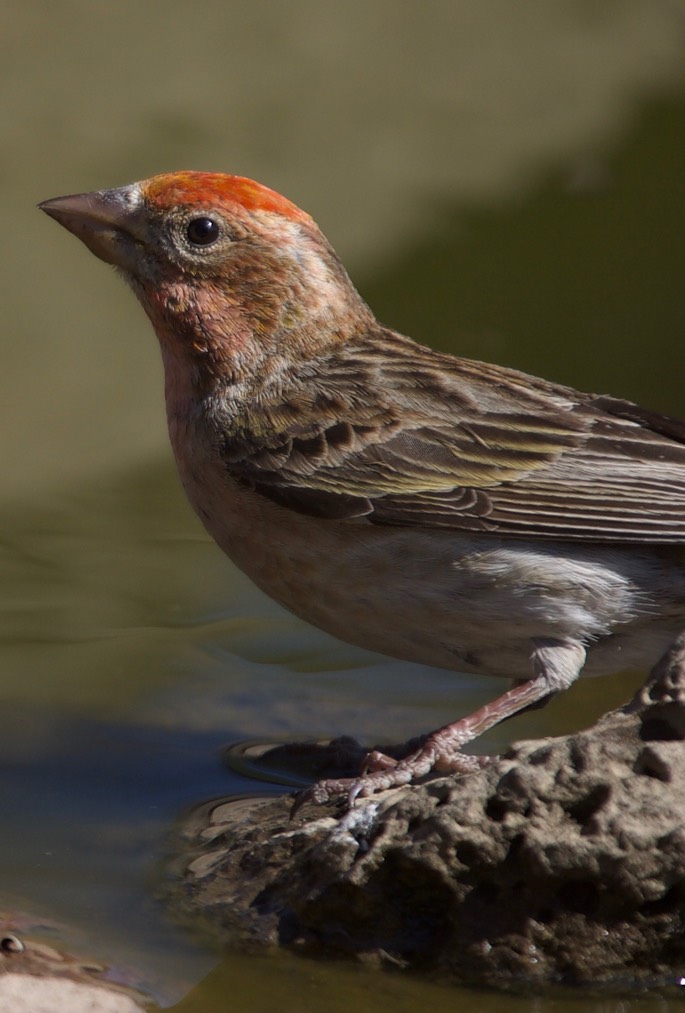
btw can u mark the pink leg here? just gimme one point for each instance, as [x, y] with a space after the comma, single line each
[444, 743]
[556, 664]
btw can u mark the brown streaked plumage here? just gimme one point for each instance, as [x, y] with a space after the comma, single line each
[435, 508]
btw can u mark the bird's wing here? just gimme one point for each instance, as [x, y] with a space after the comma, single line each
[422, 439]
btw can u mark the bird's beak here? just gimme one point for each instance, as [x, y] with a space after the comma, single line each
[109, 222]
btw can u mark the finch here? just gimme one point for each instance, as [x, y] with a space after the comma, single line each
[433, 508]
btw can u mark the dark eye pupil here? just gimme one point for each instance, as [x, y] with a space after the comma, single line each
[202, 231]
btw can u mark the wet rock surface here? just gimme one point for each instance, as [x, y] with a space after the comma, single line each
[562, 862]
[38, 978]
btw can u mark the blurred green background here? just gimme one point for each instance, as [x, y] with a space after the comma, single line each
[506, 181]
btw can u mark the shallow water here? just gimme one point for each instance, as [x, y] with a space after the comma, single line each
[510, 187]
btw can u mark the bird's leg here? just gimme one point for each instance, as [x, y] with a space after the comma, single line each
[556, 664]
[443, 746]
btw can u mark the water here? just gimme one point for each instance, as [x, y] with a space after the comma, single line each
[511, 186]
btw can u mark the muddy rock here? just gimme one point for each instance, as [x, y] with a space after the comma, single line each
[38, 978]
[562, 862]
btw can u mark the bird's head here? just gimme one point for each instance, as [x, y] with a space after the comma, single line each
[231, 274]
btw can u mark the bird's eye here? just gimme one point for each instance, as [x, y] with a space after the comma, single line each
[202, 231]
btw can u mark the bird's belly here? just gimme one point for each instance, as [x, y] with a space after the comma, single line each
[472, 603]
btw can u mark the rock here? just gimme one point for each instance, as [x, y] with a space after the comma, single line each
[562, 862]
[37, 978]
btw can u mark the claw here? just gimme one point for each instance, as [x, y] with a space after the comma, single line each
[375, 760]
[322, 792]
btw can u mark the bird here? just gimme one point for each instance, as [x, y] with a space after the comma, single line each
[436, 509]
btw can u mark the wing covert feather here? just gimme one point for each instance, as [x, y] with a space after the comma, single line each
[420, 438]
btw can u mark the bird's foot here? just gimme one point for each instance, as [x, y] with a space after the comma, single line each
[381, 771]
[441, 750]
